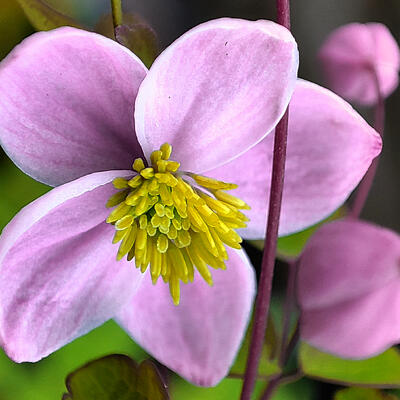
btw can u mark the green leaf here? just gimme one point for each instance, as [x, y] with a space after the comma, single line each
[116, 377]
[140, 39]
[268, 363]
[135, 34]
[290, 247]
[43, 17]
[380, 371]
[356, 393]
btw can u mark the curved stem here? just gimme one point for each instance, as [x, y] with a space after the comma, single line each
[268, 261]
[116, 8]
[366, 183]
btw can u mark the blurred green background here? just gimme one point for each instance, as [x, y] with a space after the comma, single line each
[312, 21]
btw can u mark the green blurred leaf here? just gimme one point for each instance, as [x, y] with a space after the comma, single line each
[135, 34]
[43, 17]
[229, 389]
[116, 377]
[268, 363]
[355, 393]
[290, 247]
[380, 371]
[17, 190]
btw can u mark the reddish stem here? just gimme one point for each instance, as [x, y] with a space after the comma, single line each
[366, 183]
[268, 261]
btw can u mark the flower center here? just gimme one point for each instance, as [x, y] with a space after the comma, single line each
[172, 222]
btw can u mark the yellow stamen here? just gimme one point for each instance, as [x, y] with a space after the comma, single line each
[171, 226]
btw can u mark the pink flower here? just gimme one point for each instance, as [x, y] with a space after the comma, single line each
[349, 289]
[73, 103]
[354, 56]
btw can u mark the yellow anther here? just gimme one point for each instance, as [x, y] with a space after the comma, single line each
[143, 221]
[211, 183]
[184, 238]
[142, 207]
[172, 232]
[154, 187]
[166, 150]
[124, 222]
[173, 166]
[186, 224]
[162, 243]
[135, 181]
[127, 242]
[155, 156]
[162, 166]
[164, 224]
[120, 183]
[151, 230]
[119, 235]
[159, 209]
[141, 239]
[171, 228]
[138, 165]
[200, 264]
[165, 195]
[195, 219]
[118, 213]
[167, 178]
[169, 212]
[156, 221]
[116, 199]
[147, 173]
[232, 200]
[177, 223]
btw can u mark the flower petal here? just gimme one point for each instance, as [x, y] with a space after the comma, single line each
[330, 147]
[66, 105]
[358, 328]
[346, 259]
[59, 277]
[353, 54]
[349, 289]
[199, 338]
[217, 91]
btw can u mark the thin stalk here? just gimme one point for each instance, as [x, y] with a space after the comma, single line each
[116, 8]
[366, 183]
[287, 310]
[268, 261]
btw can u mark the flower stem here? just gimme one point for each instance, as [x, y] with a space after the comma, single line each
[116, 8]
[287, 311]
[268, 261]
[366, 183]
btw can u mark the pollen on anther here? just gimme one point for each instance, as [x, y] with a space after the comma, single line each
[173, 222]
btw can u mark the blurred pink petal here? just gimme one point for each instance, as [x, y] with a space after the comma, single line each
[59, 277]
[199, 338]
[330, 147]
[66, 105]
[349, 289]
[217, 91]
[354, 54]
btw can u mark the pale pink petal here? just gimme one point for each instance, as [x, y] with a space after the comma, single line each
[59, 277]
[358, 328]
[217, 91]
[199, 338]
[66, 105]
[330, 147]
[354, 54]
[346, 259]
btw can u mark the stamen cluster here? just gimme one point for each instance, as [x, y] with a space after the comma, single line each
[174, 221]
